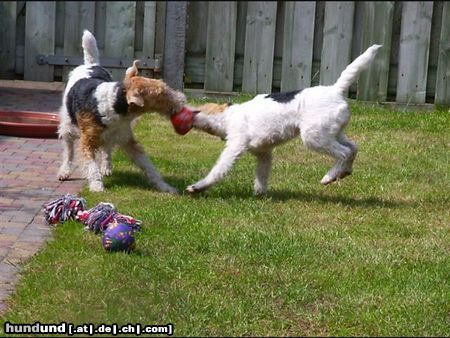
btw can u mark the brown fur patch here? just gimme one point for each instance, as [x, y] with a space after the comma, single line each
[213, 108]
[155, 95]
[91, 131]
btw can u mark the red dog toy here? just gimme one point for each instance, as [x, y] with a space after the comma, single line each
[182, 121]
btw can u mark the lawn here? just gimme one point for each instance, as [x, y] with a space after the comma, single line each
[368, 255]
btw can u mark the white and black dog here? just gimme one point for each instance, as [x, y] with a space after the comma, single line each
[318, 114]
[99, 111]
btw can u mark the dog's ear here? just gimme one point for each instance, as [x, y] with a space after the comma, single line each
[135, 99]
[132, 71]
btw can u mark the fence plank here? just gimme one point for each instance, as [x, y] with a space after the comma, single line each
[79, 15]
[40, 39]
[100, 25]
[149, 34]
[297, 45]
[443, 68]
[8, 11]
[20, 37]
[174, 43]
[337, 40]
[240, 27]
[377, 18]
[220, 46]
[259, 47]
[435, 35]
[414, 50]
[197, 21]
[119, 32]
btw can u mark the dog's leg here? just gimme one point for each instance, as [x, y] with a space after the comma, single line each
[90, 143]
[263, 166]
[137, 154]
[68, 150]
[88, 147]
[106, 163]
[343, 155]
[347, 167]
[234, 149]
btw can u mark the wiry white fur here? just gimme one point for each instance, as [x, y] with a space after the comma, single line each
[319, 114]
[350, 73]
[106, 97]
[118, 131]
[90, 50]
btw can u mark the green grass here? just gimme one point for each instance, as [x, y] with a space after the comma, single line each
[368, 255]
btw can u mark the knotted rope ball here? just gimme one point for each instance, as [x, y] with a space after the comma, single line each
[101, 216]
[63, 208]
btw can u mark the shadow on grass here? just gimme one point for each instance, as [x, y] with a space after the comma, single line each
[138, 180]
[314, 197]
[347, 201]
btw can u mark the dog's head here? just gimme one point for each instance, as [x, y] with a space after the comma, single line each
[150, 95]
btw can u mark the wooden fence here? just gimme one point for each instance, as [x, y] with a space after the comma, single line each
[268, 46]
[41, 41]
[240, 46]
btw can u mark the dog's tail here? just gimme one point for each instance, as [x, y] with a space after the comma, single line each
[351, 72]
[90, 50]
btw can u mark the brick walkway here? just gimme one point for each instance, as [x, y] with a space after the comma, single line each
[28, 170]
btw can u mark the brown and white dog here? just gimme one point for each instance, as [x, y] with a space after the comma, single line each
[100, 111]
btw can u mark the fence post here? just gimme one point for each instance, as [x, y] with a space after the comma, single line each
[220, 46]
[39, 39]
[259, 46]
[78, 16]
[297, 45]
[8, 39]
[119, 32]
[443, 68]
[414, 51]
[174, 43]
[337, 40]
[149, 34]
[378, 17]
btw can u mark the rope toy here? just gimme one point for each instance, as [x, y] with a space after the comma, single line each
[117, 229]
[101, 216]
[64, 208]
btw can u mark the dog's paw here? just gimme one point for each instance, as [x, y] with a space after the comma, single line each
[259, 189]
[327, 179]
[260, 192]
[191, 189]
[344, 174]
[63, 176]
[96, 186]
[194, 188]
[106, 171]
[63, 173]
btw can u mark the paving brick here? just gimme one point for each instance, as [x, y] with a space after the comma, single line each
[5, 218]
[28, 236]
[28, 170]
[39, 218]
[4, 267]
[4, 251]
[12, 231]
[20, 225]
[7, 238]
